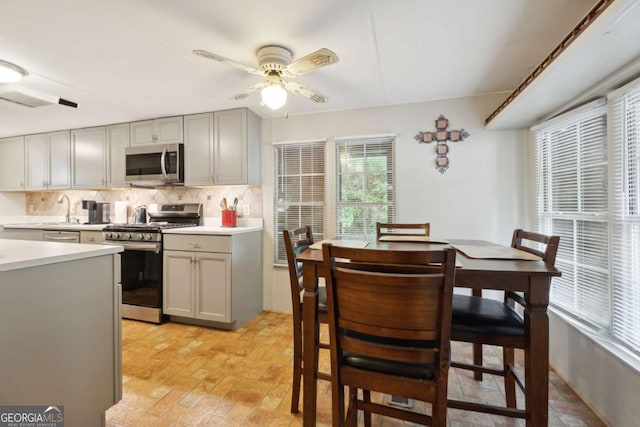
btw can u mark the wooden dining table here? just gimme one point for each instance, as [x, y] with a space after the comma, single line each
[532, 278]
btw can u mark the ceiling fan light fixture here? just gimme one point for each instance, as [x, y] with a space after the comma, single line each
[11, 73]
[274, 96]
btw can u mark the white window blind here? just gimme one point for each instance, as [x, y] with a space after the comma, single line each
[572, 202]
[299, 186]
[625, 214]
[365, 185]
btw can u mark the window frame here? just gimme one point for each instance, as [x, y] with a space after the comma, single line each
[385, 144]
[621, 328]
[316, 208]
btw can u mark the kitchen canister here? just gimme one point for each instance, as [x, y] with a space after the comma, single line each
[229, 217]
[120, 212]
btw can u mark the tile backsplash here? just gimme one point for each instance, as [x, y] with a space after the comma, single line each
[44, 203]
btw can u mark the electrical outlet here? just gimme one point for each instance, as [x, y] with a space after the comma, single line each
[246, 210]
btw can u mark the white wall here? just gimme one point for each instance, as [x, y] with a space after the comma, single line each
[481, 196]
[610, 385]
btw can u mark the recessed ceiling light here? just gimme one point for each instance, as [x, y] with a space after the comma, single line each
[11, 73]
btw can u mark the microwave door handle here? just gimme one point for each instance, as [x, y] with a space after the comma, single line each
[163, 159]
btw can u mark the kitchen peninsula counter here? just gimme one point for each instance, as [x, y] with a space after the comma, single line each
[18, 254]
[60, 327]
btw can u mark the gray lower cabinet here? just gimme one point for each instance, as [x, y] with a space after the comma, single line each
[214, 279]
[60, 328]
[92, 237]
[89, 236]
[21, 234]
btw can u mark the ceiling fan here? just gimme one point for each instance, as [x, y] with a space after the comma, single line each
[275, 63]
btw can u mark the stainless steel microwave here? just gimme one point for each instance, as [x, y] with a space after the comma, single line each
[156, 164]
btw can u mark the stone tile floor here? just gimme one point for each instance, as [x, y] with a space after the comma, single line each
[180, 375]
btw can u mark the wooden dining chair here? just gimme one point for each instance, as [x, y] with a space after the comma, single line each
[389, 330]
[295, 242]
[480, 321]
[392, 229]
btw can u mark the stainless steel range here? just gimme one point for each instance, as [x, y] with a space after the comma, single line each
[142, 257]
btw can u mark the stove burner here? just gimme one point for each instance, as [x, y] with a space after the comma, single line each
[148, 226]
[169, 216]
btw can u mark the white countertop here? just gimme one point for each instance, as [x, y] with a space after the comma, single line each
[57, 226]
[211, 226]
[212, 229]
[18, 254]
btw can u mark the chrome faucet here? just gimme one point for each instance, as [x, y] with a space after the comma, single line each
[67, 217]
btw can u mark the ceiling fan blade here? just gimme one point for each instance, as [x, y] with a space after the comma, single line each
[251, 89]
[305, 92]
[214, 57]
[315, 60]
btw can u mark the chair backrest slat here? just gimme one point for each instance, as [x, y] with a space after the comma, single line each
[525, 241]
[382, 351]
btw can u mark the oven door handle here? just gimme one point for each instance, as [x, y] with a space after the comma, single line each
[144, 247]
[163, 166]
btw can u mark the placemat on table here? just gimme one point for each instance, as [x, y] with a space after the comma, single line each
[343, 243]
[416, 238]
[495, 252]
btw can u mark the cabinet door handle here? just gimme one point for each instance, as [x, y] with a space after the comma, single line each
[194, 245]
[91, 239]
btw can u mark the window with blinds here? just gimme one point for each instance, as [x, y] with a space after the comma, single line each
[365, 185]
[299, 186]
[572, 202]
[624, 107]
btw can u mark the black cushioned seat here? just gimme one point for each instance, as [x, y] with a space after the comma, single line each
[484, 316]
[412, 370]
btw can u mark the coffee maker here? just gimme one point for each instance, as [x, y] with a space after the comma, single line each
[98, 212]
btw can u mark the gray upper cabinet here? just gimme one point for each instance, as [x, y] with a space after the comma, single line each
[48, 161]
[12, 164]
[89, 153]
[198, 147]
[167, 130]
[222, 148]
[117, 141]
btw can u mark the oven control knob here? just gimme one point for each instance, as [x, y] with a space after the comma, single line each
[125, 236]
[136, 236]
[147, 236]
[107, 235]
[114, 235]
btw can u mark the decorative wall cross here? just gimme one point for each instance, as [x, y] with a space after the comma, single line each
[441, 136]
